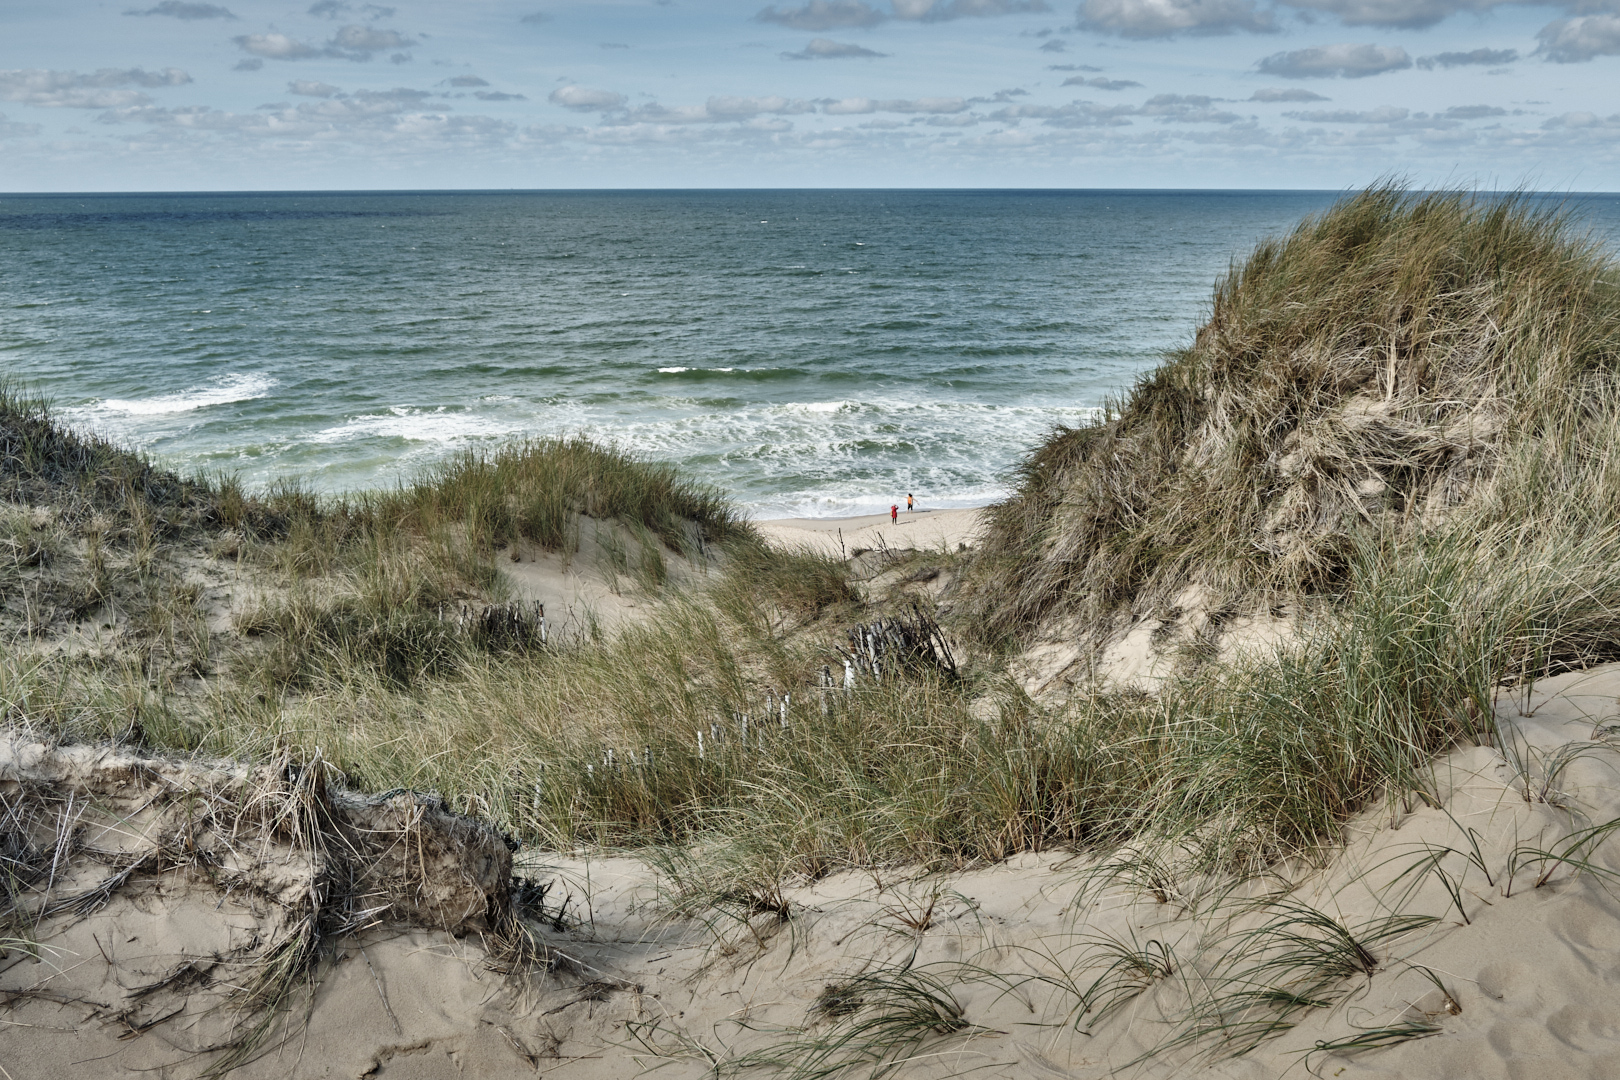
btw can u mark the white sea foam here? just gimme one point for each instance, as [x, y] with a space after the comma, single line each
[442, 426]
[224, 391]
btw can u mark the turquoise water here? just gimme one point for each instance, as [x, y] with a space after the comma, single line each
[812, 353]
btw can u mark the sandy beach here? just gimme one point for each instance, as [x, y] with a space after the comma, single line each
[847, 536]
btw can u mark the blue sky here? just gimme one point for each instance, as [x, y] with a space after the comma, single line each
[263, 94]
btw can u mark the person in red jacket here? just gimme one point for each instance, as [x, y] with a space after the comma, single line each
[894, 513]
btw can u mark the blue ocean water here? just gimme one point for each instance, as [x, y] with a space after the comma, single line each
[811, 352]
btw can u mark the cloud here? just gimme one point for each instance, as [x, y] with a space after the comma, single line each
[333, 9]
[359, 42]
[824, 15]
[365, 121]
[1000, 96]
[176, 9]
[535, 18]
[581, 99]
[844, 14]
[1474, 112]
[312, 88]
[107, 88]
[825, 49]
[1573, 41]
[248, 65]
[1395, 14]
[1329, 61]
[275, 46]
[1186, 109]
[942, 10]
[467, 80]
[1071, 67]
[1100, 83]
[938, 106]
[720, 109]
[1492, 57]
[1293, 93]
[1386, 114]
[353, 42]
[1074, 115]
[1166, 18]
[497, 95]
[11, 129]
[1055, 45]
[741, 108]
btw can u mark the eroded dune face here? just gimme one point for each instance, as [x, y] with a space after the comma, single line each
[1470, 932]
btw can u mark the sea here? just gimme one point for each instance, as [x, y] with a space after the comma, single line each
[811, 353]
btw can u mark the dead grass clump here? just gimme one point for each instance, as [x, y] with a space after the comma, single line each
[1365, 373]
[298, 859]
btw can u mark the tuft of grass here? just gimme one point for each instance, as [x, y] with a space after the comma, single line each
[534, 491]
[873, 1023]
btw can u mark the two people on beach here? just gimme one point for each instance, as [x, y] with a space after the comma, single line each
[894, 510]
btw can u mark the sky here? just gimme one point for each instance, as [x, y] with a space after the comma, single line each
[176, 95]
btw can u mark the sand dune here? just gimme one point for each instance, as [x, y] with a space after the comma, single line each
[1499, 975]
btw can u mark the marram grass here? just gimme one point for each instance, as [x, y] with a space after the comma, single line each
[637, 740]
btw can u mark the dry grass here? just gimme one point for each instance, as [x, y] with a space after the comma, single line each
[1365, 374]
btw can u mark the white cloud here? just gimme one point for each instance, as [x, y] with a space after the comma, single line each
[930, 105]
[1186, 109]
[736, 108]
[1328, 61]
[1292, 93]
[1571, 41]
[845, 14]
[825, 49]
[354, 42]
[178, 9]
[1398, 14]
[1077, 114]
[1386, 114]
[1491, 57]
[369, 39]
[1165, 18]
[312, 88]
[1100, 83]
[581, 99]
[275, 46]
[824, 15]
[941, 10]
[103, 89]
[10, 129]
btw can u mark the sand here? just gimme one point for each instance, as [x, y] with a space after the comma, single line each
[849, 536]
[1525, 979]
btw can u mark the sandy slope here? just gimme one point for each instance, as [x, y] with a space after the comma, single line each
[1533, 977]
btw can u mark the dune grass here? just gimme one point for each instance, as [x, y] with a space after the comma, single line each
[1407, 410]
[706, 733]
[1367, 371]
